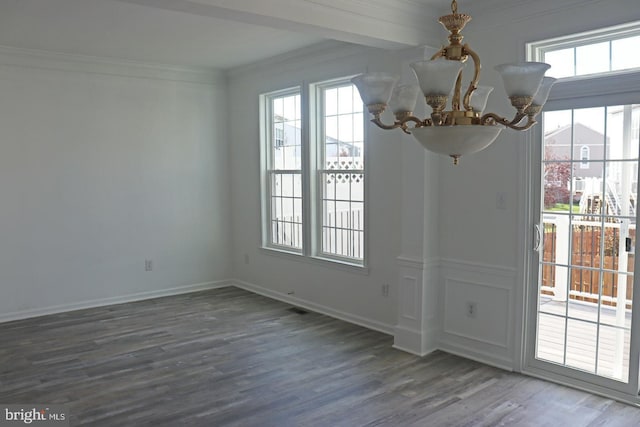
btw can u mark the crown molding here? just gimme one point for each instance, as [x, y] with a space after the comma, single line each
[32, 58]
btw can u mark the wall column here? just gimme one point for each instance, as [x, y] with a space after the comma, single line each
[417, 328]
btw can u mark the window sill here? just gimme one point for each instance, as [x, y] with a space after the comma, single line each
[316, 260]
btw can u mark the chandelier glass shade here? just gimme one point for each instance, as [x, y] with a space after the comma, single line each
[458, 124]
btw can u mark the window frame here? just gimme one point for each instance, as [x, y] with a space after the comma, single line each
[311, 150]
[267, 139]
[536, 51]
[318, 169]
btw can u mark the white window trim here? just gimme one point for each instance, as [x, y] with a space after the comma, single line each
[537, 50]
[311, 207]
[318, 135]
[265, 161]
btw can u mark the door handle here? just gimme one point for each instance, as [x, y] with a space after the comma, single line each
[537, 237]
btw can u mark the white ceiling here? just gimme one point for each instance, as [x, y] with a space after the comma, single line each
[208, 33]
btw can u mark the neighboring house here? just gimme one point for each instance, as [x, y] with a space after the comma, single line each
[287, 135]
[588, 144]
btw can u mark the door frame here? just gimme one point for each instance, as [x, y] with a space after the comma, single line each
[532, 159]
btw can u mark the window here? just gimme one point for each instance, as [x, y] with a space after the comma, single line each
[584, 157]
[591, 53]
[341, 172]
[314, 188]
[284, 171]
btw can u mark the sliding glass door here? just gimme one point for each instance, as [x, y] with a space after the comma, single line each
[585, 256]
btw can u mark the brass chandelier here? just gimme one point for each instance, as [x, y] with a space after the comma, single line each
[465, 128]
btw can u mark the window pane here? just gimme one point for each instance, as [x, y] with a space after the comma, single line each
[588, 137]
[345, 100]
[286, 135]
[587, 259]
[331, 102]
[623, 123]
[284, 142]
[622, 57]
[581, 345]
[593, 58]
[342, 179]
[562, 63]
[613, 293]
[557, 181]
[551, 338]
[613, 353]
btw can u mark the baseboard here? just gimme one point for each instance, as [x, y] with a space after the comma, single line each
[26, 314]
[415, 342]
[337, 314]
[478, 356]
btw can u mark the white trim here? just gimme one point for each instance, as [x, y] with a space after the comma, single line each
[417, 263]
[507, 289]
[317, 141]
[477, 355]
[31, 58]
[267, 170]
[478, 267]
[419, 343]
[469, 337]
[101, 302]
[313, 260]
[613, 88]
[318, 308]
[588, 387]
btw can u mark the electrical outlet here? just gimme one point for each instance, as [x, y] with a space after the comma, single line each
[472, 310]
[148, 265]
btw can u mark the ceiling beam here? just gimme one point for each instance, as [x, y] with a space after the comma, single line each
[388, 24]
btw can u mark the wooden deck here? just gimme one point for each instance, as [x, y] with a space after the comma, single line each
[583, 337]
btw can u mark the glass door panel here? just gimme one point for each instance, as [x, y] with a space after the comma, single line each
[589, 196]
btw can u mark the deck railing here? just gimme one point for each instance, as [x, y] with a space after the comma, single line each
[594, 260]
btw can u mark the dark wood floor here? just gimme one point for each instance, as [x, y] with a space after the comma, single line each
[231, 358]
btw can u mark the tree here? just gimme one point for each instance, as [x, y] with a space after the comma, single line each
[557, 173]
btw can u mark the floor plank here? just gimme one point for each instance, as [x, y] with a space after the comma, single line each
[227, 357]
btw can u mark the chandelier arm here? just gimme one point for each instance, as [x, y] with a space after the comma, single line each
[530, 122]
[376, 120]
[417, 122]
[488, 118]
[476, 76]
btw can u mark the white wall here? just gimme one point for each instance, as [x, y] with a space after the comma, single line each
[483, 247]
[353, 295]
[104, 165]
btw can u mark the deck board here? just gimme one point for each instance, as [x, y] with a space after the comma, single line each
[582, 337]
